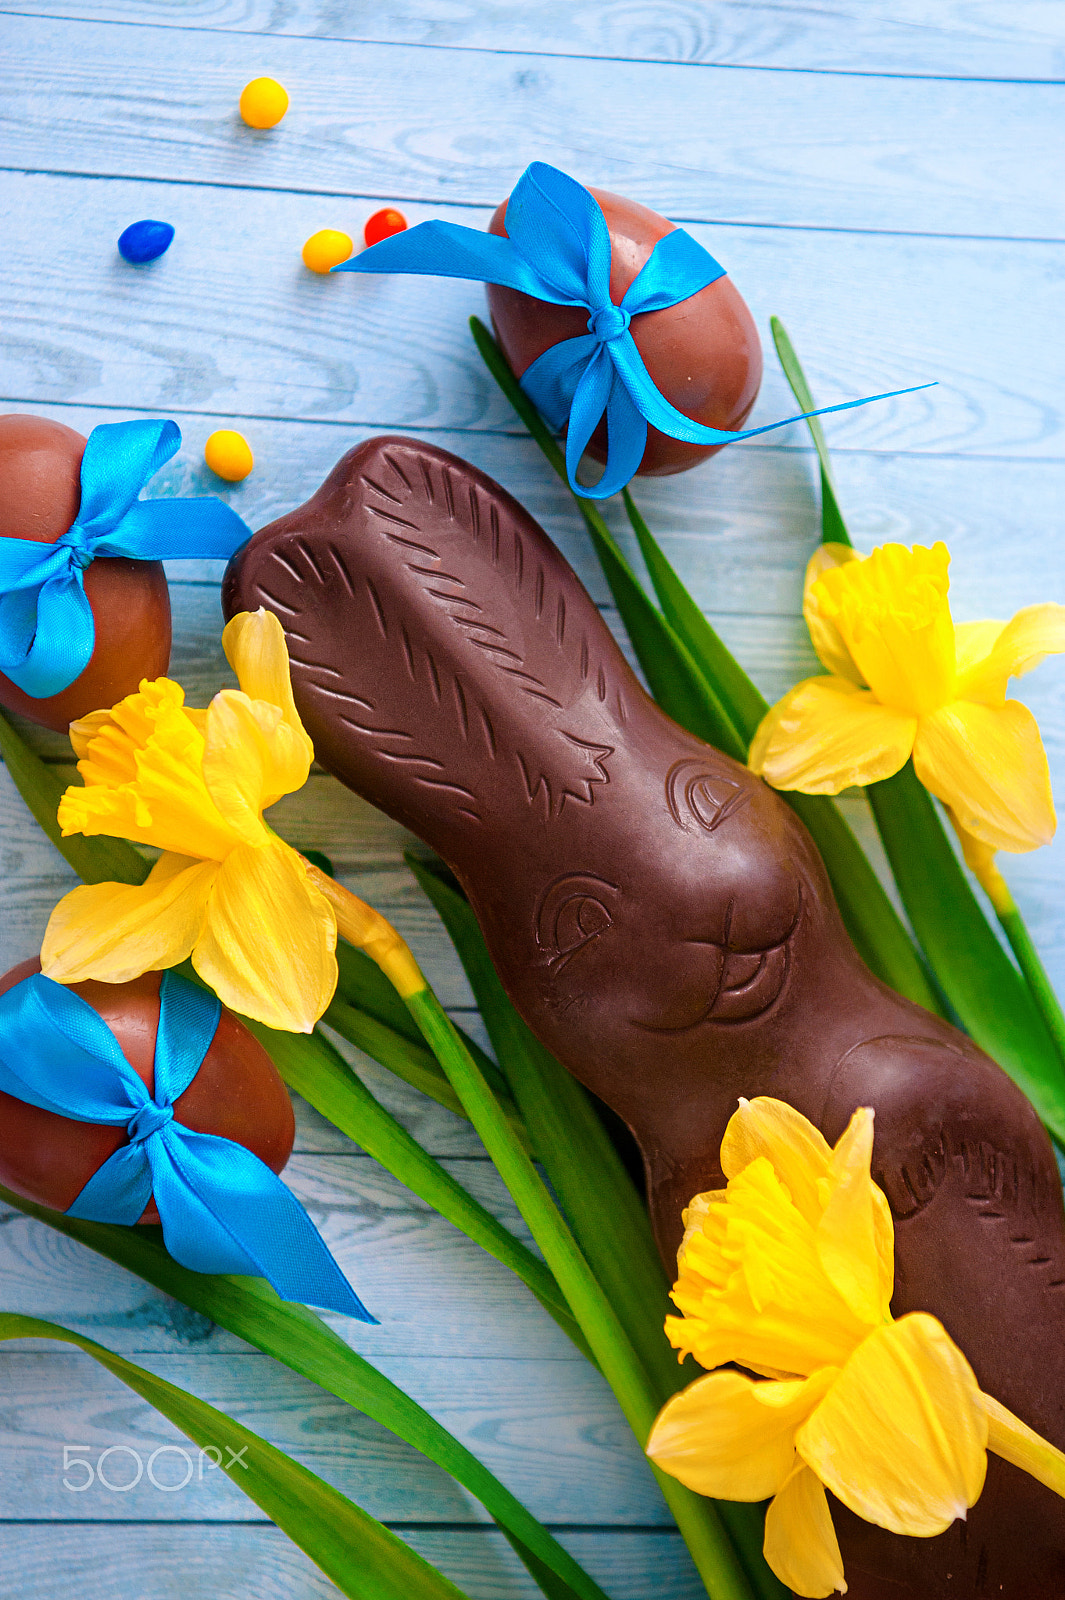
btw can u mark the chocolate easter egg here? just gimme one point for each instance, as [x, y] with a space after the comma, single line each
[237, 1094]
[703, 354]
[40, 492]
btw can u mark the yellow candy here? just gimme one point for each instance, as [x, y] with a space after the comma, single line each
[229, 455]
[327, 248]
[263, 103]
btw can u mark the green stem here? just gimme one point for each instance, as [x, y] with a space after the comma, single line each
[1035, 974]
[697, 1520]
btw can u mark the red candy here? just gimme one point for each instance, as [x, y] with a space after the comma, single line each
[383, 224]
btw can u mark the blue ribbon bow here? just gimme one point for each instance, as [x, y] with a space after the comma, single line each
[222, 1209]
[47, 634]
[558, 250]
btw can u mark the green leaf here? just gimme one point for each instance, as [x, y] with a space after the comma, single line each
[584, 1169]
[292, 1334]
[697, 1519]
[991, 998]
[833, 527]
[312, 1067]
[597, 1194]
[744, 702]
[362, 1557]
[414, 1063]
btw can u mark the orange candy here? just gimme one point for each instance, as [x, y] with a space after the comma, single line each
[383, 224]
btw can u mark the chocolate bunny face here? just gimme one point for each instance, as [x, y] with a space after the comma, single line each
[662, 921]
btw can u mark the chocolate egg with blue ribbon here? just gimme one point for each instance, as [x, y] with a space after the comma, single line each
[703, 354]
[237, 1094]
[40, 494]
[84, 605]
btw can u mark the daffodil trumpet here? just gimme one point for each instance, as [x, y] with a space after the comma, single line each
[258, 921]
[788, 1273]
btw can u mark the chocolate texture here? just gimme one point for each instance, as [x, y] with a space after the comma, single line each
[664, 923]
[237, 1094]
[703, 354]
[40, 492]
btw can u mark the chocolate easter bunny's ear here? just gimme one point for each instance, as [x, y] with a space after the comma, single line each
[663, 922]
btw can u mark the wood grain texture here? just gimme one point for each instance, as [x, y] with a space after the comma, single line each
[229, 322]
[826, 185]
[405, 1260]
[907, 154]
[964, 39]
[577, 1445]
[38, 1562]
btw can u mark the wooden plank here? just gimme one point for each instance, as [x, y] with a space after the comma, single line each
[959, 38]
[550, 1430]
[739, 529]
[942, 156]
[434, 1291]
[38, 1561]
[229, 323]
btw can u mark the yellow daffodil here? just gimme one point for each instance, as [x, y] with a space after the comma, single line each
[788, 1272]
[226, 891]
[906, 680]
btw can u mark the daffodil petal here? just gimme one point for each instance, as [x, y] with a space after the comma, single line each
[251, 758]
[854, 1247]
[988, 765]
[1028, 638]
[799, 1153]
[732, 1438]
[826, 734]
[973, 642]
[267, 949]
[254, 643]
[901, 1436]
[800, 1542]
[116, 931]
[825, 637]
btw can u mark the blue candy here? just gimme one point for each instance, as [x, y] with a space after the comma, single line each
[144, 241]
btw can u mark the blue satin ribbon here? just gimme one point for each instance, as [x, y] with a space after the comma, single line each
[47, 634]
[222, 1209]
[558, 250]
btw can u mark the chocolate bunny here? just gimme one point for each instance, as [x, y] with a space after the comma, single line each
[663, 922]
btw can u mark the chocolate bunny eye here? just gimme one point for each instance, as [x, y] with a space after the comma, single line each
[695, 792]
[573, 912]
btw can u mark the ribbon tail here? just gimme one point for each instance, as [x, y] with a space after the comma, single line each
[626, 443]
[551, 380]
[119, 459]
[169, 530]
[119, 1191]
[667, 419]
[224, 1211]
[64, 638]
[448, 250]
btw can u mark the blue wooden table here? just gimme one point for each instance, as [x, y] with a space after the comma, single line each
[887, 180]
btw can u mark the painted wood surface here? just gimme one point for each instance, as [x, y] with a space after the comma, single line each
[963, 39]
[885, 179]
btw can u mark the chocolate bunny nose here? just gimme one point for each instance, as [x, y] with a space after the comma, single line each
[663, 922]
